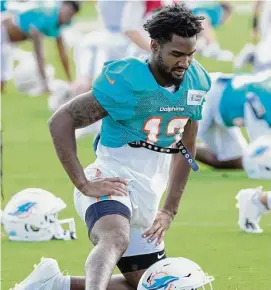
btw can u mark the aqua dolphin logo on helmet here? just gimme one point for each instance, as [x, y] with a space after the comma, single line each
[31, 215]
[260, 151]
[159, 283]
[23, 210]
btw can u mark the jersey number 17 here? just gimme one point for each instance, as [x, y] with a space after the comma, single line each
[174, 127]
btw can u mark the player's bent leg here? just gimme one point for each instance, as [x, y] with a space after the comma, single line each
[117, 282]
[110, 235]
[205, 156]
[223, 147]
[229, 164]
[132, 268]
[108, 222]
[47, 275]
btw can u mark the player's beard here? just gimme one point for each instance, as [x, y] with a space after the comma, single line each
[166, 72]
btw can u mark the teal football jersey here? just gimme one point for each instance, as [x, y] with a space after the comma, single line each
[139, 109]
[234, 98]
[3, 5]
[213, 11]
[44, 19]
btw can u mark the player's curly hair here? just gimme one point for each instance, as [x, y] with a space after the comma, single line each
[173, 19]
[75, 5]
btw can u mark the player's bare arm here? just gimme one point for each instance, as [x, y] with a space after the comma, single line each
[64, 57]
[80, 112]
[38, 47]
[84, 110]
[178, 176]
[180, 170]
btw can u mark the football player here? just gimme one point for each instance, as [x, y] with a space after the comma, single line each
[235, 101]
[216, 14]
[149, 109]
[122, 35]
[45, 20]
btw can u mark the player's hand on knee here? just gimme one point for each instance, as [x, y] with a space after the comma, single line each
[160, 225]
[105, 186]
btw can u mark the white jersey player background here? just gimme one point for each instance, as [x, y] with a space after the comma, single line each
[122, 35]
[234, 101]
[103, 45]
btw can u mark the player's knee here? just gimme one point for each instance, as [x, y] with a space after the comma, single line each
[115, 240]
[118, 240]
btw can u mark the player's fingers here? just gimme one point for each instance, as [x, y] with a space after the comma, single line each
[118, 192]
[116, 179]
[119, 185]
[121, 189]
[160, 238]
[156, 235]
[152, 230]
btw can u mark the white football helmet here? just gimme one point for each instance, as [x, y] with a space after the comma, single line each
[27, 77]
[32, 216]
[257, 159]
[175, 273]
[60, 94]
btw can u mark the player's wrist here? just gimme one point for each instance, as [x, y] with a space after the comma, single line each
[83, 186]
[170, 212]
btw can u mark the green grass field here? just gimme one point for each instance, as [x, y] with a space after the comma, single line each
[205, 229]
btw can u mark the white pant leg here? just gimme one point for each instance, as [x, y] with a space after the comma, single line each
[92, 172]
[142, 202]
[226, 143]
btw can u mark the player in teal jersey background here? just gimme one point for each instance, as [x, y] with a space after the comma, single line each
[155, 102]
[3, 5]
[43, 20]
[233, 102]
[216, 15]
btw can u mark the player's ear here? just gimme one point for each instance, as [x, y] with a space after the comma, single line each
[154, 46]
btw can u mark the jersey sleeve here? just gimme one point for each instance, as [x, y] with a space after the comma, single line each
[197, 97]
[113, 92]
[53, 32]
[197, 112]
[47, 22]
